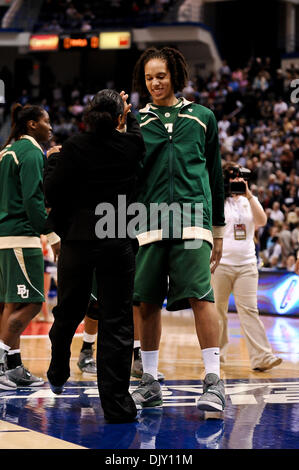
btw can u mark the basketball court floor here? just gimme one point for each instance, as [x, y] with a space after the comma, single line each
[262, 407]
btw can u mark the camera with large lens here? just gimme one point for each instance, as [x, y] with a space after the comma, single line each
[235, 187]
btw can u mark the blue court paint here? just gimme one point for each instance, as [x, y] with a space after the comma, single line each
[260, 414]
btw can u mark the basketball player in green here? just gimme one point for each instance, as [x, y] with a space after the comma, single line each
[182, 166]
[22, 220]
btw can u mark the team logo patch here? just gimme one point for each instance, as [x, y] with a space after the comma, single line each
[22, 291]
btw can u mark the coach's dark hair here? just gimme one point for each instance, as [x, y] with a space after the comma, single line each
[20, 115]
[175, 62]
[101, 113]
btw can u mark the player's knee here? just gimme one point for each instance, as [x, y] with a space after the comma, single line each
[33, 309]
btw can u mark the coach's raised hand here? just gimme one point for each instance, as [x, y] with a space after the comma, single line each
[127, 109]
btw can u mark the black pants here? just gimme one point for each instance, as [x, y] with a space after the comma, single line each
[114, 265]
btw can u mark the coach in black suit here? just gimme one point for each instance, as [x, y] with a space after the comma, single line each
[92, 168]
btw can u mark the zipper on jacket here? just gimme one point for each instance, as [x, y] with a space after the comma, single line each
[171, 153]
[170, 167]
[170, 157]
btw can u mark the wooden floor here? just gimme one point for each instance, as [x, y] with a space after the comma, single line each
[180, 356]
[180, 360]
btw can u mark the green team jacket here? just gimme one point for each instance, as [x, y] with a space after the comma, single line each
[22, 208]
[184, 168]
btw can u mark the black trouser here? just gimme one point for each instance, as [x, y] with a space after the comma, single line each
[114, 265]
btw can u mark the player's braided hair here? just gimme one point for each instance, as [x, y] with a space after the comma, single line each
[176, 65]
[20, 115]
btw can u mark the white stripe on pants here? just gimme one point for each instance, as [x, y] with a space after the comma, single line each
[242, 281]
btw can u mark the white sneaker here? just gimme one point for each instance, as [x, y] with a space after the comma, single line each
[272, 362]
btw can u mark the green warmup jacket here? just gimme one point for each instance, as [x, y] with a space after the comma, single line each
[22, 208]
[184, 167]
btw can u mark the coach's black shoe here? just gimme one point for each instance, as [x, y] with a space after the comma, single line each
[57, 389]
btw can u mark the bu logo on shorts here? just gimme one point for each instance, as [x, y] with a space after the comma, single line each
[22, 291]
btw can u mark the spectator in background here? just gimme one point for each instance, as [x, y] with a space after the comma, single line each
[285, 238]
[291, 263]
[77, 108]
[276, 214]
[295, 237]
[86, 26]
[224, 70]
[290, 201]
[264, 169]
[260, 83]
[280, 108]
[272, 255]
[24, 98]
[223, 126]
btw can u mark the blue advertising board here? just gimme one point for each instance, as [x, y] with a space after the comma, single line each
[278, 293]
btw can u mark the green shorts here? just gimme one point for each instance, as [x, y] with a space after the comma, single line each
[167, 269]
[21, 275]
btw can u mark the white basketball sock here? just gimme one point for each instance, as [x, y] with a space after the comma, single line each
[150, 362]
[14, 351]
[87, 338]
[211, 359]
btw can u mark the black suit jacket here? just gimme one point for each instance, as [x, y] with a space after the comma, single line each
[91, 169]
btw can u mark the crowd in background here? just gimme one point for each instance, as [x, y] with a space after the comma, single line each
[258, 128]
[62, 15]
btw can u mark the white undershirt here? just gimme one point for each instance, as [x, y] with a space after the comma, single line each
[238, 252]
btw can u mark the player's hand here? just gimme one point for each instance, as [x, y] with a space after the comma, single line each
[56, 250]
[54, 149]
[127, 109]
[216, 254]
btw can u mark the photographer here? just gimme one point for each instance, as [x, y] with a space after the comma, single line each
[237, 272]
